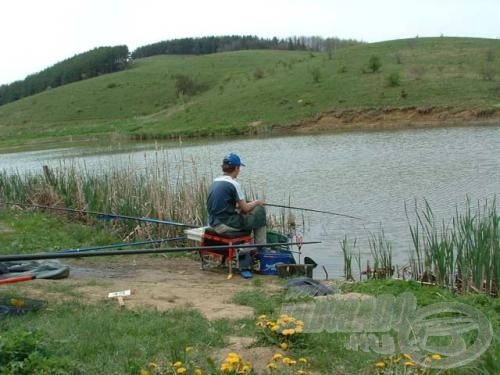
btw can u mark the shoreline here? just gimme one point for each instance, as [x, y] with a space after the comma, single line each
[337, 120]
[392, 118]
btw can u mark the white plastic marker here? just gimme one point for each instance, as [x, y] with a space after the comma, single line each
[119, 296]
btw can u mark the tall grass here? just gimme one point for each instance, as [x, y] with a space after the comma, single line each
[464, 254]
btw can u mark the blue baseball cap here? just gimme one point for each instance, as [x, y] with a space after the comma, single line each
[232, 159]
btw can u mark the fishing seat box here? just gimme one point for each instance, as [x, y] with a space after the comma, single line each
[206, 236]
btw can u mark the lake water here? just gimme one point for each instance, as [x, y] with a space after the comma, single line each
[371, 175]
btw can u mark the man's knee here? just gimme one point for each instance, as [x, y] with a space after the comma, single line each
[259, 213]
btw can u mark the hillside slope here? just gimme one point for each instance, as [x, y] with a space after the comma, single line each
[258, 90]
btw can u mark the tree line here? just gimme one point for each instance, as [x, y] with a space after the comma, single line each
[214, 44]
[104, 60]
[89, 64]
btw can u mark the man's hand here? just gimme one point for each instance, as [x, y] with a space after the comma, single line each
[246, 207]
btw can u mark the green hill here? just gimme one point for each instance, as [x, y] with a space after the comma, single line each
[237, 91]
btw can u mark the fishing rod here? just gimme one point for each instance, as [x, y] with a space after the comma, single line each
[312, 210]
[39, 256]
[123, 244]
[102, 215]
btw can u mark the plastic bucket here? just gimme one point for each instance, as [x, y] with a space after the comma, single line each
[269, 260]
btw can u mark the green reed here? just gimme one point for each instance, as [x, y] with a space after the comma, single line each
[463, 254]
[348, 253]
[381, 250]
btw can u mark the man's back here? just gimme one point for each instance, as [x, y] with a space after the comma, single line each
[223, 195]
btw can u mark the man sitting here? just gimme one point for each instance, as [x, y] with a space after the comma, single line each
[229, 212]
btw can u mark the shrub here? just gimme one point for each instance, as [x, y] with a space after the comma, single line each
[185, 85]
[393, 79]
[374, 64]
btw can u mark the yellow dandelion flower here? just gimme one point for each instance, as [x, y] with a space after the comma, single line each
[301, 372]
[275, 328]
[286, 360]
[284, 346]
[277, 356]
[198, 372]
[181, 370]
[177, 364]
[299, 329]
[380, 364]
[225, 367]
[153, 365]
[262, 317]
[436, 356]
[233, 360]
[299, 322]
[188, 349]
[144, 372]
[288, 332]
[245, 369]
[271, 366]
[303, 360]
[409, 364]
[292, 362]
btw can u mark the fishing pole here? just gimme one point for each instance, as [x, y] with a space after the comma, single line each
[312, 210]
[39, 256]
[102, 215]
[123, 244]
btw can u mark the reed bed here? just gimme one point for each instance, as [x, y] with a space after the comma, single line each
[164, 189]
[149, 192]
[464, 254]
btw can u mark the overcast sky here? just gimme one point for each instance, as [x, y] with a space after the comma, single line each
[35, 34]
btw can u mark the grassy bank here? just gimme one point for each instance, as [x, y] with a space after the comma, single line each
[254, 91]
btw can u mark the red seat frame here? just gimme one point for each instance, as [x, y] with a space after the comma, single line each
[229, 255]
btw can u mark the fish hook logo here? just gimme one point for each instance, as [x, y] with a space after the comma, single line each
[451, 319]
